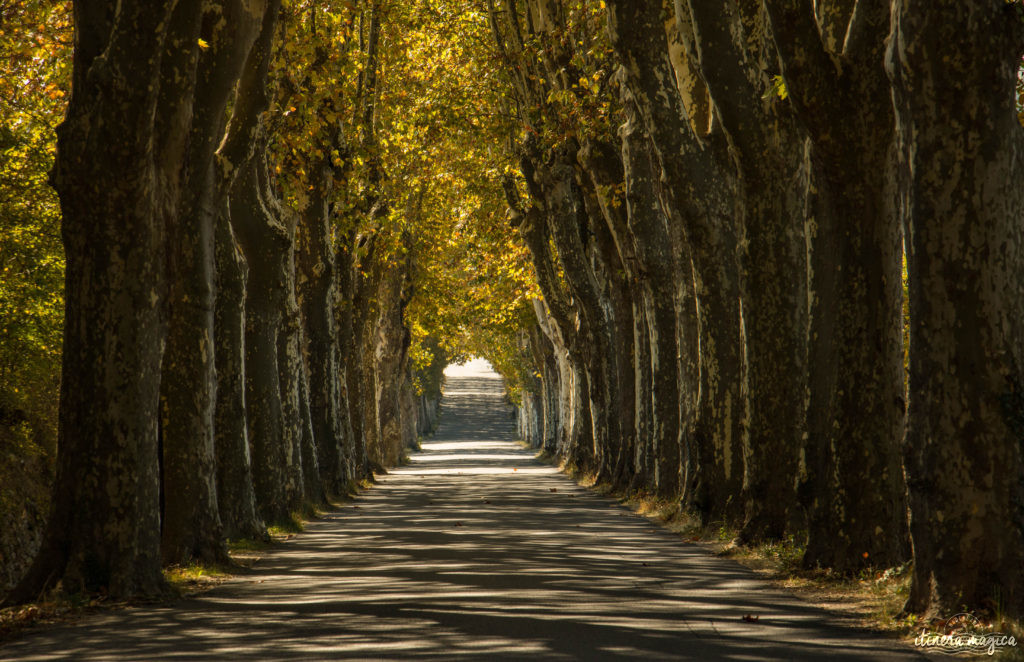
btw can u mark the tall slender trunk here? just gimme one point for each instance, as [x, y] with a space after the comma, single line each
[733, 46]
[191, 526]
[348, 359]
[306, 486]
[317, 286]
[700, 190]
[235, 497]
[264, 241]
[649, 235]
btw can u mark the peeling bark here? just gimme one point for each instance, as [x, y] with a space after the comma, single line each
[104, 530]
[700, 190]
[854, 492]
[191, 522]
[235, 497]
[954, 68]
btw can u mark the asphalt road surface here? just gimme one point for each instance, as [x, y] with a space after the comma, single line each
[474, 550]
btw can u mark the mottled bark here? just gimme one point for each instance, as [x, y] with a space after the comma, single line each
[954, 68]
[612, 293]
[648, 232]
[348, 342]
[556, 317]
[855, 491]
[306, 486]
[317, 287]
[700, 190]
[735, 53]
[104, 530]
[236, 500]
[191, 527]
[390, 349]
[553, 366]
[566, 326]
[264, 241]
[617, 272]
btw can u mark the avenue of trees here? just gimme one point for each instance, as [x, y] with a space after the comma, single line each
[262, 257]
[717, 198]
[694, 237]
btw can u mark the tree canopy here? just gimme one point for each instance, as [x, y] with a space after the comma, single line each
[759, 259]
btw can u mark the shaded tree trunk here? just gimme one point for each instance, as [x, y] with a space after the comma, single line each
[349, 357]
[306, 485]
[647, 226]
[264, 241]
[191, 527]
[104, 527]
[317, 286]
[954, 68]
[700, 190]
[235, 497]
[855, 491]
[735, 52]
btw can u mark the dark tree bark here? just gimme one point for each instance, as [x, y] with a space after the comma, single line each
[735, 54]
[700, 186]
[618, 274]
[318, 291]
[235, 497]
[612, 402]
[954, 68]
[348, 354]
[306, 486]
[191, 522]
[390, 350]
[557, 318]
[264, 241]
[554, 363]
[114, 188]
[855, 491]
[648, 232]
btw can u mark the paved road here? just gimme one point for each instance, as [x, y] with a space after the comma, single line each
[475, 551]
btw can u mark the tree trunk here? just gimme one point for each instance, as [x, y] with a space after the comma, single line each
[317, 288]
[191, 521]
[735, 54]
[264, 241]
[104, 528]
[306, 486]
[855, 491]
[648, 233]
[700, 189]
[349, 358]
[235, 497]
[954, 67]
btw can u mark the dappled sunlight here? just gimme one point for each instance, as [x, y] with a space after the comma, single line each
[473, 550]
